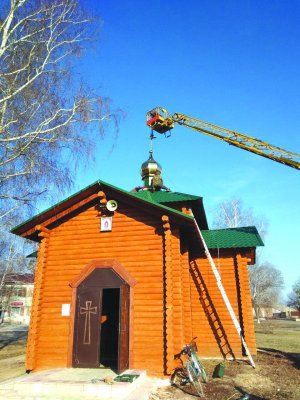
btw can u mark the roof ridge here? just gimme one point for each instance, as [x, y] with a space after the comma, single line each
[234, 228]
[100, 183]
[166, 197]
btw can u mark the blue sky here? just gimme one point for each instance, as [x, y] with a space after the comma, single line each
[232, 63]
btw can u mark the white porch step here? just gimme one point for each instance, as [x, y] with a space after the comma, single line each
[60, 384]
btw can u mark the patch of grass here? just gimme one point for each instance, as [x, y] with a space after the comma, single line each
[12, 354]
[13, 350]
[278, 335]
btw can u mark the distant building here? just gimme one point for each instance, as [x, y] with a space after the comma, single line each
[295, 314]
[279, 311]
[16, 298]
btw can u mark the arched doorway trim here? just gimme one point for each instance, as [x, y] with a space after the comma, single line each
[104, 263]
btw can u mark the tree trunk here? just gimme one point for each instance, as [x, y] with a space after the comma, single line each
[257, 310]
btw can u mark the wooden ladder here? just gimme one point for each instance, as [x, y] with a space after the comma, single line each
[224, 295]
[210, 311]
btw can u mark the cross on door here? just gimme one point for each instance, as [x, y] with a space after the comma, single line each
[88, 310]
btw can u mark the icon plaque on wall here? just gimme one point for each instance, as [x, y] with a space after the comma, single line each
[106, 224]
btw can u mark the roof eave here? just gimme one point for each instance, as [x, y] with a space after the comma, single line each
[43, 217]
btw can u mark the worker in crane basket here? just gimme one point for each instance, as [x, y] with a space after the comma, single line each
[157, 182]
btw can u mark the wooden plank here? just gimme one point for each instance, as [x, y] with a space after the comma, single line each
[75, 257]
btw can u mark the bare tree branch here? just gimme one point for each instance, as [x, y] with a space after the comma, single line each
[45, 110]
[294, 296]
[266, 283]
[233, 214]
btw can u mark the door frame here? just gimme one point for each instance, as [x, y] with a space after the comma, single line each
[85, 272]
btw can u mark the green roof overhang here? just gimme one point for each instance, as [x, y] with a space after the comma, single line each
[245, 237]
[195, 203]
[93, 189]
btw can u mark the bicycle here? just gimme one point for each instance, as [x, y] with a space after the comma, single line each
[191, 369]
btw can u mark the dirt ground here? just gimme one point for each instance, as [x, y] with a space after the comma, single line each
[276, 376]
[12, 351]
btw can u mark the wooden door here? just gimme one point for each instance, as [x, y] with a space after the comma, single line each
[123, 362]
[87, 327]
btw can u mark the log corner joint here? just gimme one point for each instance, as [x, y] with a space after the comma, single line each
[43, 232]
[166, 223]
[102, 203]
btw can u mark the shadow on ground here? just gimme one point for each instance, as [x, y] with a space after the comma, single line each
[8, 338]
[188, 389]
[244, 394]
[294, 357]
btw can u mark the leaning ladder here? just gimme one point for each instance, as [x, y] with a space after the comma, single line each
[224, 295]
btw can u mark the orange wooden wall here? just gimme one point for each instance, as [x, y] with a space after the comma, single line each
[159, 263]
[211, 321]
[69, 248]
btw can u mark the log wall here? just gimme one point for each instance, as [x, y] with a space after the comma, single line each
[174, 299]
[136, 242]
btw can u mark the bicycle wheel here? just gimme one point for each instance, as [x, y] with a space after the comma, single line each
[179, 377]
[194, 378]
[201, 369]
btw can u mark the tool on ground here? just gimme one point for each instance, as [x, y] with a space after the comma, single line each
[219, 371]
[126, 378]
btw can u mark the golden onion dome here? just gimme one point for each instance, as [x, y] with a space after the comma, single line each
[150, 168]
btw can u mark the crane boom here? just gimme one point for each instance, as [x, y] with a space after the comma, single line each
[161, 121]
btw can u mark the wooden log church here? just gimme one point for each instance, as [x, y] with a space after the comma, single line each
[122, 280]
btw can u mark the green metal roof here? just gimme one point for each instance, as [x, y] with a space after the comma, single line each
[32, 255]
[165, 197]
[52, 207]
[220, 238]
[232, 238]
[94, 187]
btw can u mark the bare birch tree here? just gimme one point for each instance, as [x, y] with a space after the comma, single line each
[266, 283]
[44, 107]
[233, 214]
[294, 296]
[13, 265]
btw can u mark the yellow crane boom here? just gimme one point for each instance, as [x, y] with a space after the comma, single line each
[161, 121]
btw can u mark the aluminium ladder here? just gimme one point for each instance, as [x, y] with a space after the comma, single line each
[224, 295]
